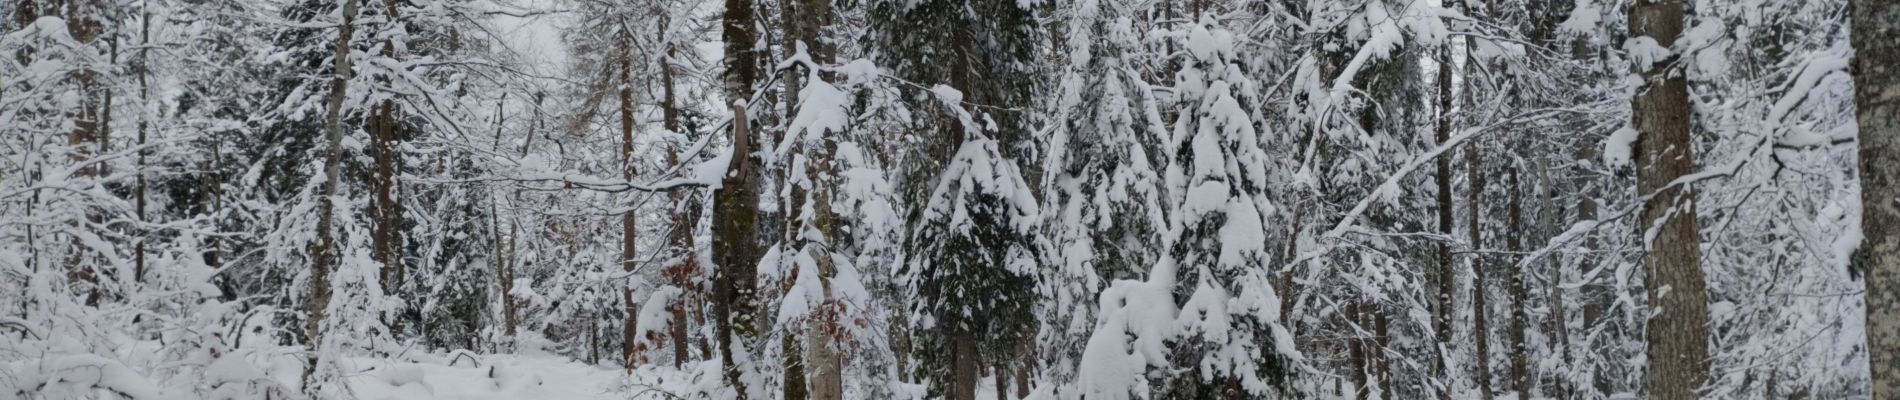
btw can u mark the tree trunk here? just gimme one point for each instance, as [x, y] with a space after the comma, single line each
[1678, 336]
[1592, 295]
[1520, 295]
[1556, 319]
[87, 138]
[386, 240]
[1480, 330]
[735, 204]
[1360, 364]
[1447, 277]
[1381, 366]
[629, 219]
[1877, 102]
[795, 387]
[145, 95]
[323, 255]
[967, 370]
[735, 207]
[685, 213]
[805, 22]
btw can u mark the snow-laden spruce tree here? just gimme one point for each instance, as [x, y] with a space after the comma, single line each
[1103, 193]
[825, 302]
[1227, 341]
[972, 264]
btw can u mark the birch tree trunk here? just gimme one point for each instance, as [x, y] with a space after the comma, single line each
[1876, 42]
[1672, 265]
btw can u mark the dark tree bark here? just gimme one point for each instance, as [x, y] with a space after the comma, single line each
[1876, 41]
[1447, 277]
[145, 95]
[1520, 294]
[1672, 265]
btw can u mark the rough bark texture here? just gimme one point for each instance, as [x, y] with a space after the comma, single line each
[1876, 43]
[1447, 277]
[323, 254]
[1672, 265]
[735, 204]
[967, 370]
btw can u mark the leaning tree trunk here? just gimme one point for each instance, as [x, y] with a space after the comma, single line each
[1876, 41]
[1678, 336]
[323, 254]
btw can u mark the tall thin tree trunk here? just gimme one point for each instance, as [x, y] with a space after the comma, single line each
[685, 209]
[386, 240]
[629, 219]
[1480, 329]
[1382, 339]
[1447, 276]
[145, 93]
[1556, 318]
[1875, 27]
[805, 23]
[1520, 294]
[735, 204]
[87, 138]
[323, 255]
[1672, 265]
[1357, 359]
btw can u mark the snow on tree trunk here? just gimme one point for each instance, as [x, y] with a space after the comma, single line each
[1678, 333]
[324, 253]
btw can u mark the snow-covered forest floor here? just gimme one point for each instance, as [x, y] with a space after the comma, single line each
[949, 199]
